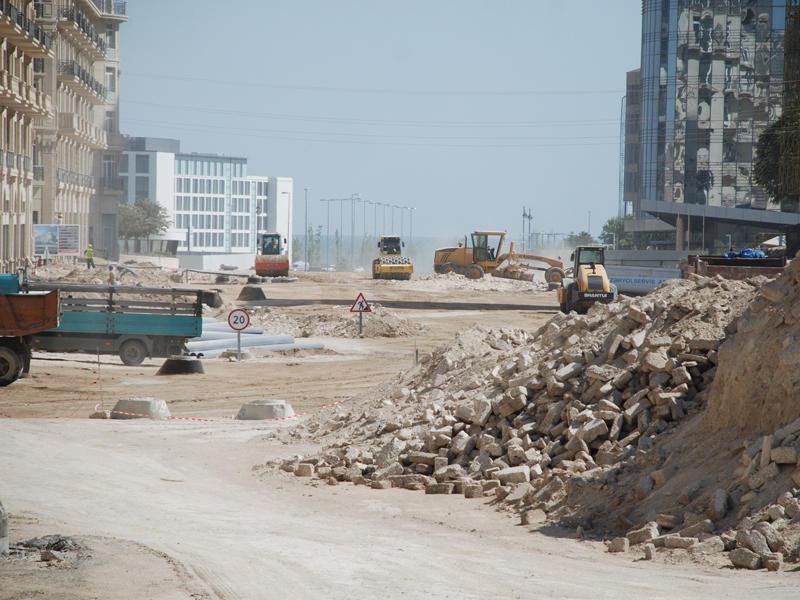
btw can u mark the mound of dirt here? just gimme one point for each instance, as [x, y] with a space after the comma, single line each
[759, 374]
[334, 322]
[430, 282]
[593, 420]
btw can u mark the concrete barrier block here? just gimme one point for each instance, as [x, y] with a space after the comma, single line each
[265, 409]
[140, 407]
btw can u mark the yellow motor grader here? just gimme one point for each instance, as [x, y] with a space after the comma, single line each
[485, 256]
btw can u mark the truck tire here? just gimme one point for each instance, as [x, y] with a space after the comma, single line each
[474, 272]
[10, 365]
[554, 276]
[571, 300]
[449, 268]
[132, 352]
[375, 273]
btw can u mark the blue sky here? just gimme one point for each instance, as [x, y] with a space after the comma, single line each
[466, 110]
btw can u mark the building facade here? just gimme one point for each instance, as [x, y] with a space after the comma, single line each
[214, 206]
[712, 74]
[78, 148]
[23, 44]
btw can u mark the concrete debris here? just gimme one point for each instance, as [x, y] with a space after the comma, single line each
[600, 421]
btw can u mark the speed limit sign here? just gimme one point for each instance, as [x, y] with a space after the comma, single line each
[238, 319]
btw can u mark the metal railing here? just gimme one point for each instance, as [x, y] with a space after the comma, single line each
[11, 160]
[85, 25]
[38, 172]
[26, 24]
[71, 67]
[66, 176]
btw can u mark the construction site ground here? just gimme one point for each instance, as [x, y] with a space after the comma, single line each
[181, 508]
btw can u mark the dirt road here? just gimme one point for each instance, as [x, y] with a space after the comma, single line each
[177, 509]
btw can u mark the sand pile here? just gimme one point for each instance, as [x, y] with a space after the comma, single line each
[592, 420]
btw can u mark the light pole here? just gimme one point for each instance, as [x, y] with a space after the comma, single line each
[288, 224]
[305, 246]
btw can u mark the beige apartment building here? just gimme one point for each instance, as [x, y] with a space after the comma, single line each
[77, 147]
[22, 102]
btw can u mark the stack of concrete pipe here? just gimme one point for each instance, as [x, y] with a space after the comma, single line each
[218, 337]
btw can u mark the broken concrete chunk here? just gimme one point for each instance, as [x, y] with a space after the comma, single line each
[743, 558]
[619, 544]
[760, 477]
[784, 455]
[643, 534]
[517, 474]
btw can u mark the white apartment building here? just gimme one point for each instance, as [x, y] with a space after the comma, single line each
[215, 208]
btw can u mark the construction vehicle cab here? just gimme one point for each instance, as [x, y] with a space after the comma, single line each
[271, 257]
[391, 264]
[486, 255]
[590, 282]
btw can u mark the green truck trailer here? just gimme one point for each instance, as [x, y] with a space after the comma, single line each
[131, 321]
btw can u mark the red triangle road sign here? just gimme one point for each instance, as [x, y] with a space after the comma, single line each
[360, 305]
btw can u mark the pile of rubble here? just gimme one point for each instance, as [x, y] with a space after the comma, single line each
[427, 282]
[333, 322]
[594, 419]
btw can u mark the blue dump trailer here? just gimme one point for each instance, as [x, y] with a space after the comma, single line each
[131, 321]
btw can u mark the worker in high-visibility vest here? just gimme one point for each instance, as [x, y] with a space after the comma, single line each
[89, 252]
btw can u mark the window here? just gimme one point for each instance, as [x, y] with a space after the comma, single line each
[111, 37]
[142, 187]
[142, 163]
[111, 121]
[124, 182]
[111, 79]
[123, 163]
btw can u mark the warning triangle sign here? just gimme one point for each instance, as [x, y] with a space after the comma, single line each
[360, 305]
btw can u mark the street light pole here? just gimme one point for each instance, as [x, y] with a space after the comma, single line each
[305, 246]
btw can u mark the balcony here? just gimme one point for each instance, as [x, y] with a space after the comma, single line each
[23, 32]
[78, 29]
[72, 126]
[109, 10]
[81, 81]
[22, 97]
[72, 178]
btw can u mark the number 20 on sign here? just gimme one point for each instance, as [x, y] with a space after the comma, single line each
[238, 319]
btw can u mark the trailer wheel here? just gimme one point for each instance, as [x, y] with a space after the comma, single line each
[10, 365]
[132, 352]
[474, 272]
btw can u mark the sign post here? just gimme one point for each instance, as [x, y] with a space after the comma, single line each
[238, 320]
[360, 306]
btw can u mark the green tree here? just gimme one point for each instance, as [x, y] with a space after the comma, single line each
[614, 235]
[783, 133]
[583, 238]
[142, 219]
